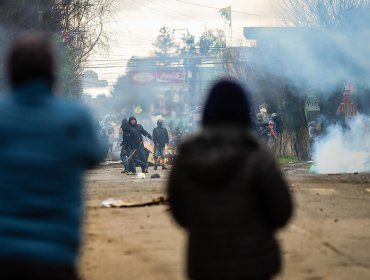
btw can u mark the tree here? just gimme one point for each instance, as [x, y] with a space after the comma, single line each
[211, 42]
[188, 45]
[79, 26]
[165, 43]
[323, 13]
[279, 93]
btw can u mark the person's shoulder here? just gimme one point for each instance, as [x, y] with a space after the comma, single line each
[71, 110]
[70, 106]
[4, 100]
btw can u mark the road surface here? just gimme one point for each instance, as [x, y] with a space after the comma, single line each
[328, 237]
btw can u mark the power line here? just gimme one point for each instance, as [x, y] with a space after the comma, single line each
[215, 8]
[157, 11]
[176, 11]
[179, 65]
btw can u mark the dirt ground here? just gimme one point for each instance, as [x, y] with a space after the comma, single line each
[328, 238]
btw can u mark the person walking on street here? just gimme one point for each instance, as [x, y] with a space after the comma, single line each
[46, 144]
[160, 139]
[125, 150]
[227, 192]
[136, 145]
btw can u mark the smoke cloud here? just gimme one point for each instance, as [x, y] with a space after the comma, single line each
[317, 56]
[344, 150]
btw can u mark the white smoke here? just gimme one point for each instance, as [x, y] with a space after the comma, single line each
[344, 150]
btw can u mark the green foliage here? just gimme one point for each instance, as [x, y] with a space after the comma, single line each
[165, 43]
[189, 46]
[211, 42]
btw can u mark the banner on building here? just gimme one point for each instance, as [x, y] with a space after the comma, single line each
[156, 77]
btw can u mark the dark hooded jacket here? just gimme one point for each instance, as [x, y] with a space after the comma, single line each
[136, 132]
[160, 135]
[226, 190]
[126, 130]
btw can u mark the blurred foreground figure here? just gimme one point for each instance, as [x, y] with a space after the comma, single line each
[226, 190]
[45, 146]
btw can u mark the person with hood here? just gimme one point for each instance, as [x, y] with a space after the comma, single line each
[177, 136]
[125, 150]
[136, 145]
[262, 128]
[160, 139]
[227, 192]
[46, 144]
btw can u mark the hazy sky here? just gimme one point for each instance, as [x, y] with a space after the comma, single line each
[136, 23]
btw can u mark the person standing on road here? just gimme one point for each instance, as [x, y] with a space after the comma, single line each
[227, 192]
[177, 136]
[136, 144]
[160, 139]
[46, 144]
[125, 150]
[262, 128]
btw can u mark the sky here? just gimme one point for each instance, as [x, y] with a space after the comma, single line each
[135, 24]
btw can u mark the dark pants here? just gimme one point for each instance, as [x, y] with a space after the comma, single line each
[138, 158]
[124, 157]
[20, 271]
[141, 158]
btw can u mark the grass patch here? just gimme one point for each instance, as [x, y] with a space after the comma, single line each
[286, 160]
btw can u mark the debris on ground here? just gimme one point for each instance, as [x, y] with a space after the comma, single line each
[141, 175]
[118, 203]
[155, 176]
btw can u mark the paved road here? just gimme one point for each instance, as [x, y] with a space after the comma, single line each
[328, 238]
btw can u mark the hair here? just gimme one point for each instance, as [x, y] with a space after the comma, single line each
[228, 102]
[31, 57]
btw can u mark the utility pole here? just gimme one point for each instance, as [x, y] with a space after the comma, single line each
[185, 94]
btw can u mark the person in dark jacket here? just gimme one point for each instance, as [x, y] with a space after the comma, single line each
[125, 150]
[227, 192]
[46, 144]
[160, 139]
[262, 128]
[136, 145]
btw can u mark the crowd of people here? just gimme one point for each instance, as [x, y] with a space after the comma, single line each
[134, 153]
[224, 189]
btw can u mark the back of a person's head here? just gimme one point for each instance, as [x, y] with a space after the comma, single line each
[227, 103]
[30, 58]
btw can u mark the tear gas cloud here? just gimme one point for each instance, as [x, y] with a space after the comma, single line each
[343, 150]
[317, 56]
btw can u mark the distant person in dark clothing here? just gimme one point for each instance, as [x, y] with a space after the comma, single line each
[125, 150]
[227, 192]
[136, 145]
[177, 136]
[46, 144]
[104, 138]
[278, 124]
[160, 140]
[262, 127]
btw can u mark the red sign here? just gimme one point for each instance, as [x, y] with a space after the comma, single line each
[156, 77]
[142, 77]
[170, 76]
